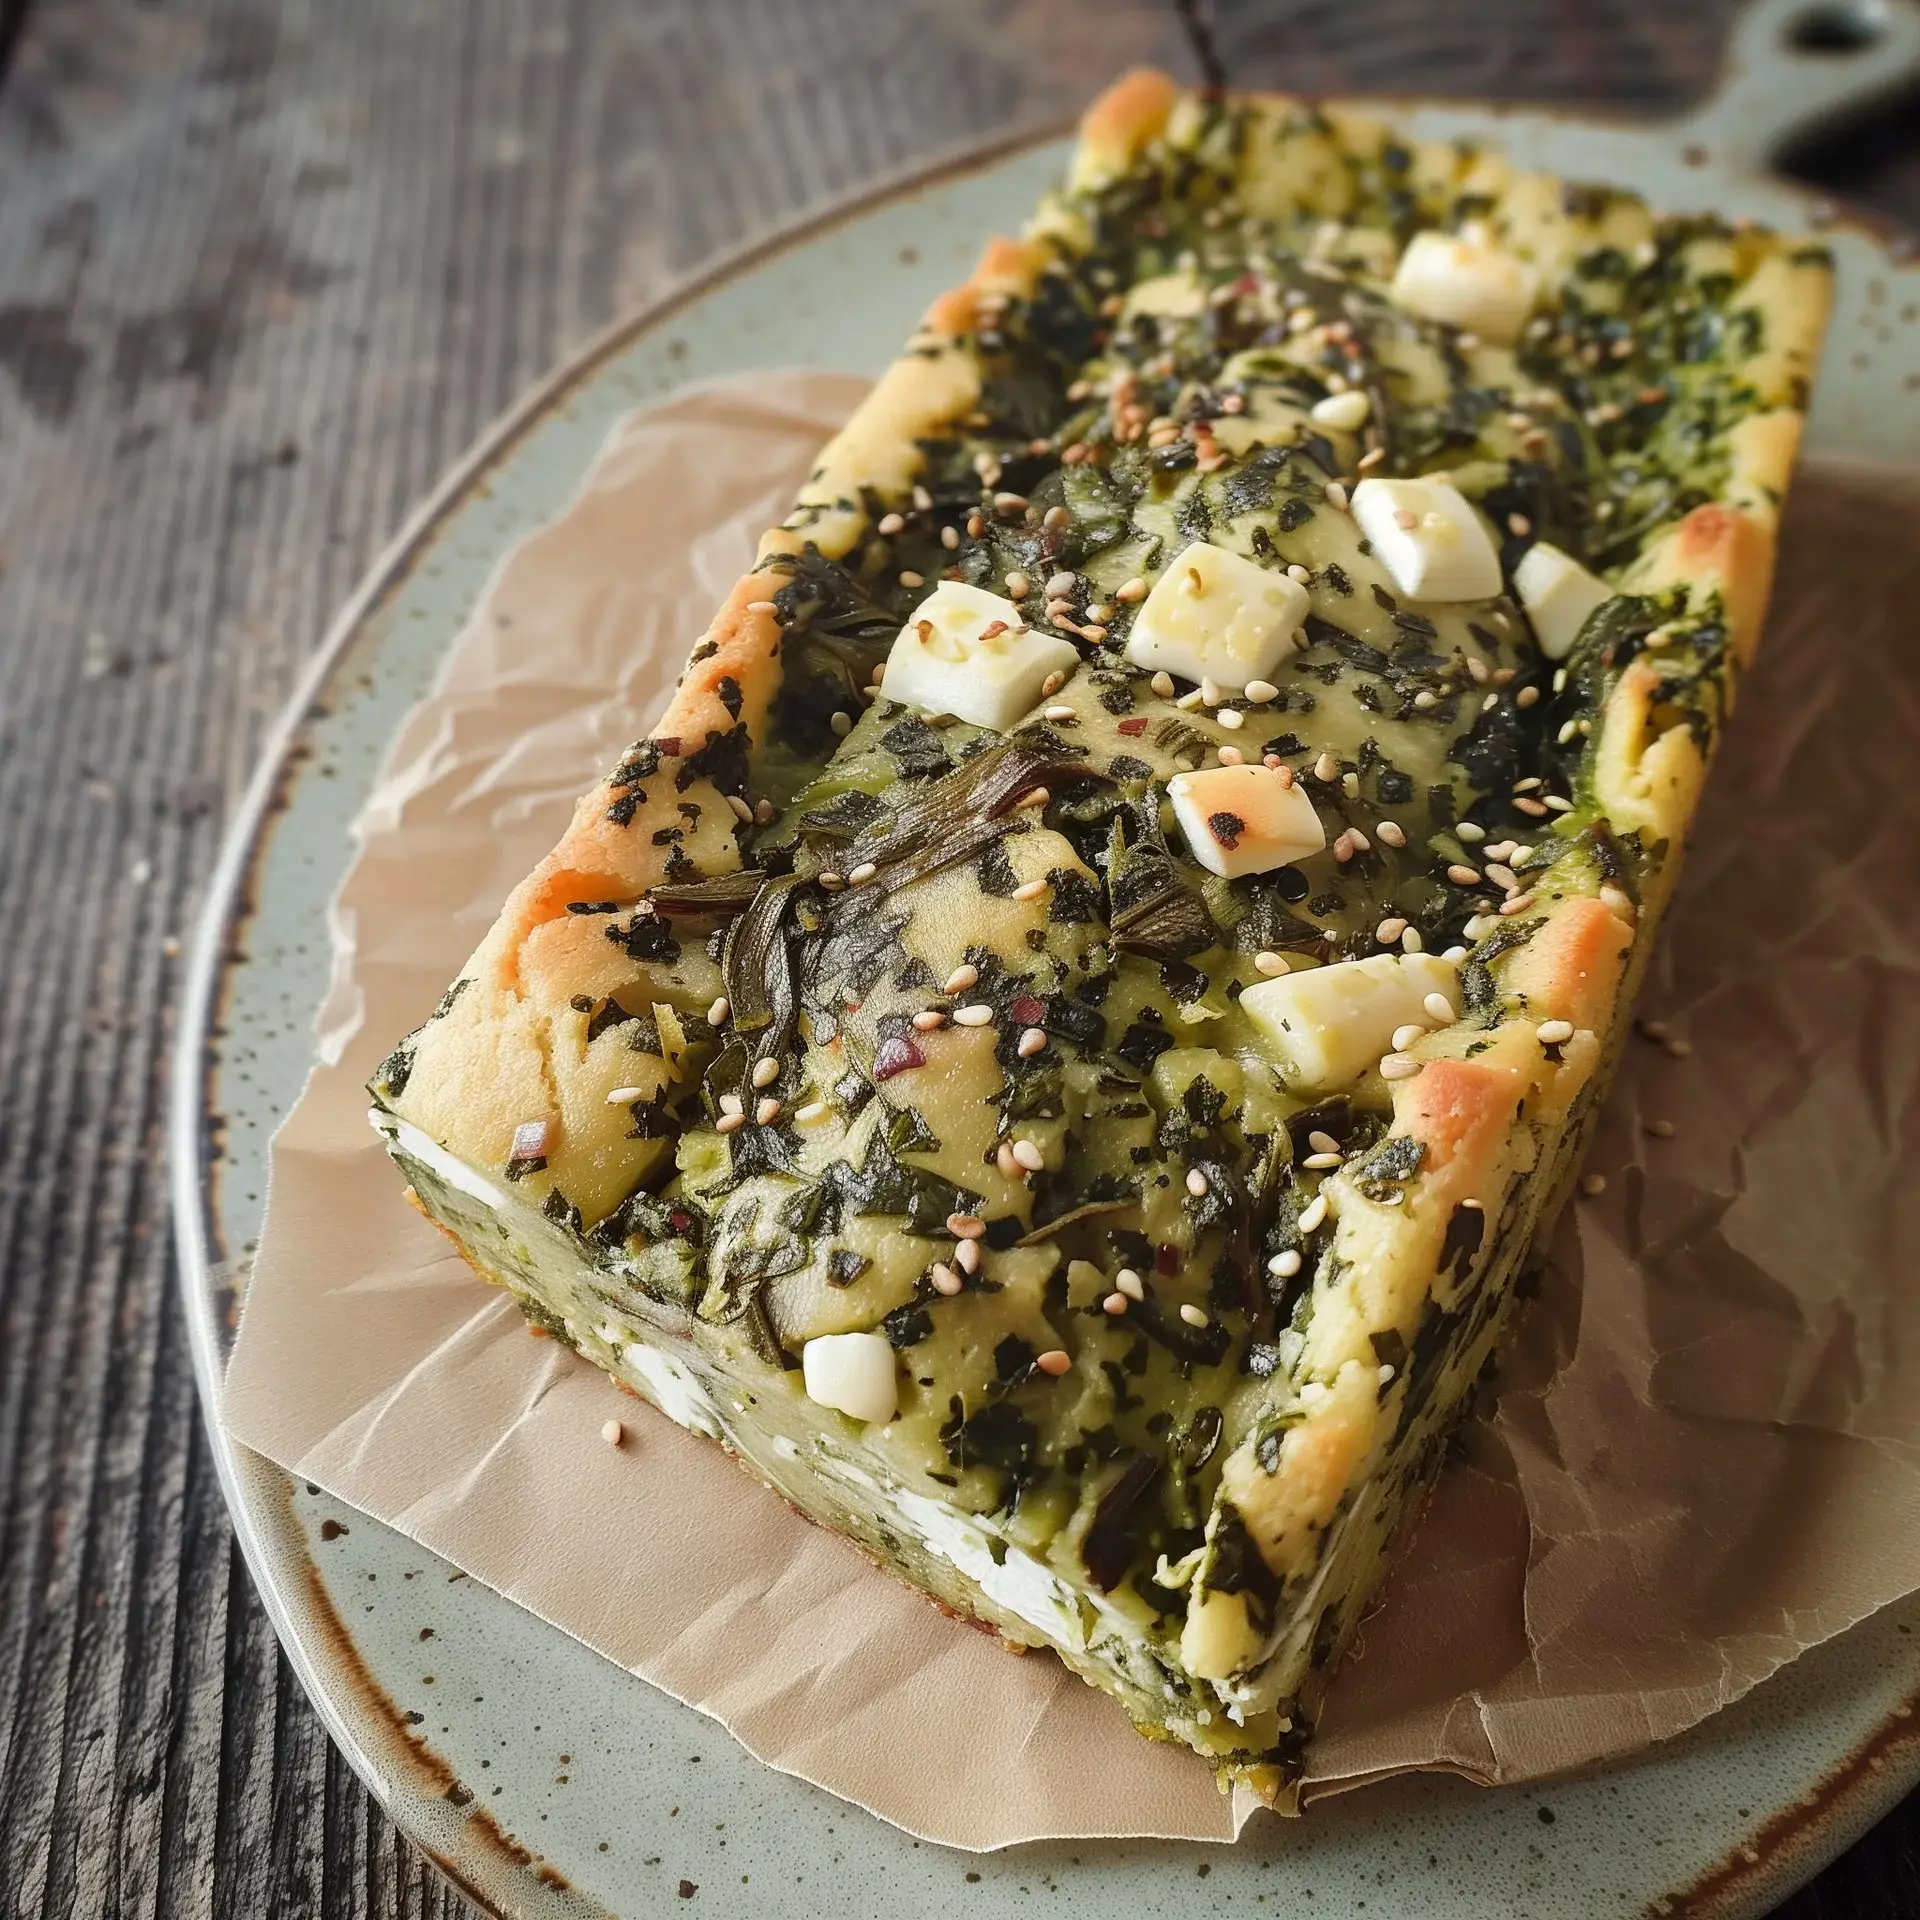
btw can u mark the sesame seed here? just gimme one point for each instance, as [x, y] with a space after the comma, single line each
[1404, 1037]
[929, 1020]
[1231, 756]
[1336, 495]
[1425, 699]
[1470, 831]
[1197, 1183]
[1231, 718]
[1660, 1129]
[1061, 584]
[1295, 571]
[813, 1111]
[1192, 1315]
[1526, 697]
[976, 1015]
[1189, 701]
[945, 1280]
[832, 882]
[1519, 525]
[1115, 1304]
[1566, 733]
[730, 1123]
[741, 811]
[1390, 834]
[922, 499]
[1009, 503]
[842, 724]
[613, 1433]
[1285, 1265]
[1390, 929]
[1502, 876]
[1320, 1162]
[1030, 890]
[965, 1226]
[1371, 459]
[1314, 1214]
[1129, 1283]
[860, 875]
[1052, 684]
[1028, 1155]
[1162, 684]
[766, 1070]
[961, 978]
[1018, 585]
[1398, 1066]
[1593, 1184]
[1280, 767]
[1326, 768]
[1679, 1049]
[1437, 1006]
[890, 523]
[1059, 713]
[1554, 1032]
[1130, 590]
[1519, 903]
[966, 1255]
[1261, 691]
[764, 811]
[1269, 963]
[1054, 1362]
[1402, 518]
[1032, 1041]
[1343, 847]
[950, 538]
[624, 1096]
[1463, 876]
[1004, 1160]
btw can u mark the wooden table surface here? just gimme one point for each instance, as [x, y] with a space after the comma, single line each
[266, 268]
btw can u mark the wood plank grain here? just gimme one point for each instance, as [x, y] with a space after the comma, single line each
[266, 267]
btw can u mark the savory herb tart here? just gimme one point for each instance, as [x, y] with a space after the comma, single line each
[1057, 1049]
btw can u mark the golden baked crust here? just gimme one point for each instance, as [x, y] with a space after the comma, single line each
[1674, 489]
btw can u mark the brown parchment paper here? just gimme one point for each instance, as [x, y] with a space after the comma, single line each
[1706, 1455]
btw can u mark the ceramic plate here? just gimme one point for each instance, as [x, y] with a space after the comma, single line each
[547, 1781]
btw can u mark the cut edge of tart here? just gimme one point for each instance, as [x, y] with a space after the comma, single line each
[1058, 1048]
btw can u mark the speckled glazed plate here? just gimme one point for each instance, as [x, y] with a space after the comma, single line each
[547, 1781]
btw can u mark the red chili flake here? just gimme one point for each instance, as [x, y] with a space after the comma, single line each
[895, 1055]
[1137, 725]
[679, 1221]
[1166, 1259]
[1027, 1011]
[1247, 283]
[669, 745]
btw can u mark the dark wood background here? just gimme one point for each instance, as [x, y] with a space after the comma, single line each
[266, 268]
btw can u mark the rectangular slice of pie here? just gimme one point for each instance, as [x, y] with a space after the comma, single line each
[1060, 1046]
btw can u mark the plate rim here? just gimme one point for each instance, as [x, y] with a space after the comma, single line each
[1795, 1843]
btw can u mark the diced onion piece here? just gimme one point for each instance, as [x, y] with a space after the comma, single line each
[970, 653]
[1214, 615]
[853, 1373]
[1245, 819]
[1558, 594]
[1462, 280]
[1428, 536]
[1325, 1027]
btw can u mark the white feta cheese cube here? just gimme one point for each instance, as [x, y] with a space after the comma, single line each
[1428, 536]
[1466, 282]
[1216, 616]
[853, 1373]
[970, 653]
[1558, 594]
[1325, 1027]
[1246, 819]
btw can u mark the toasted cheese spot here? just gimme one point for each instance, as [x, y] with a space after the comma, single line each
[1571, 967]
[1318, 1460]
[1120, 123]
[1457, 1109]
